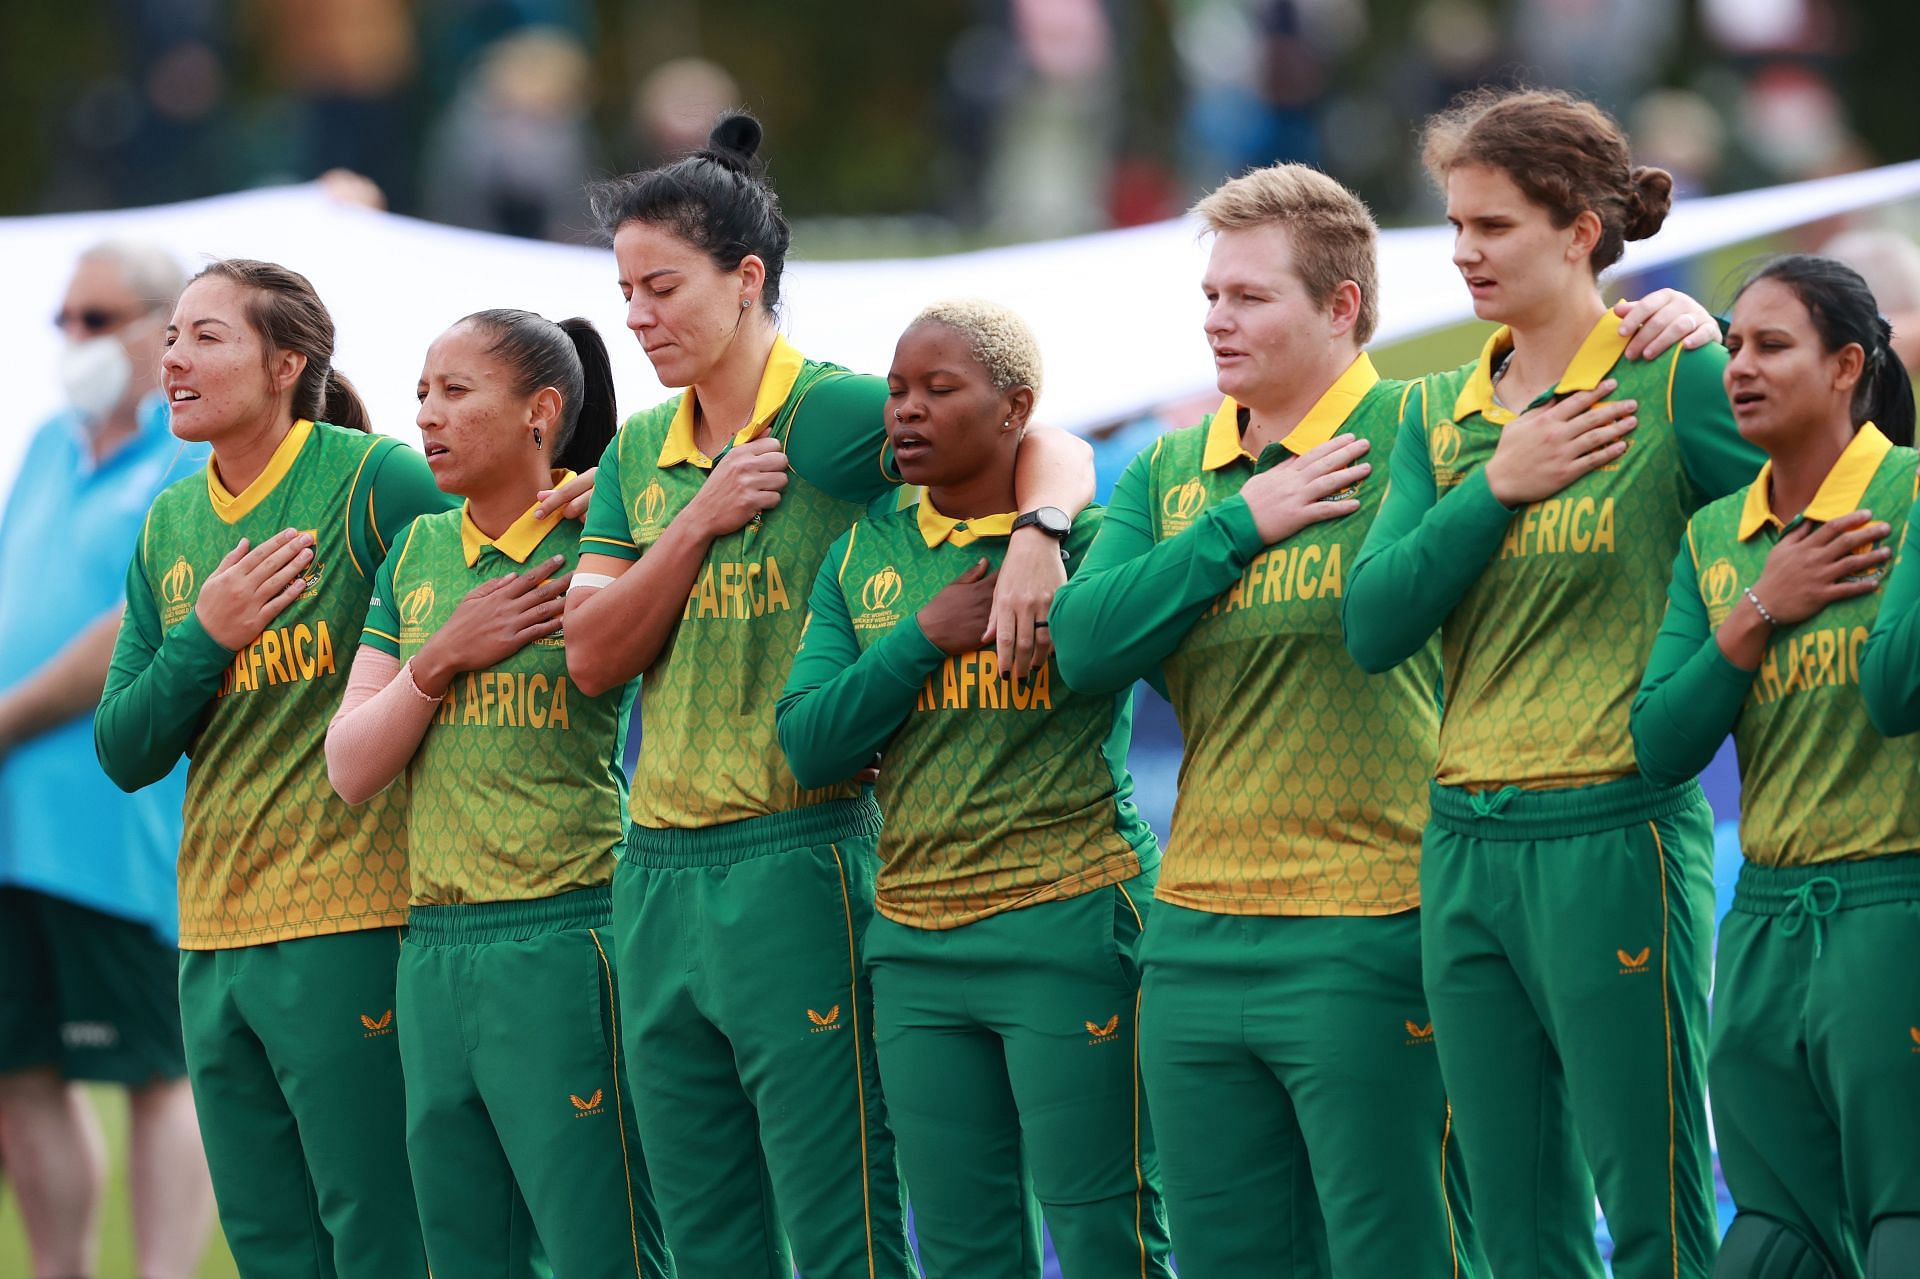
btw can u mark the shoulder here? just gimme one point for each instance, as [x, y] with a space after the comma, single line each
[1718, 521]
[825, 392]
[1178, 451]
[184, 490]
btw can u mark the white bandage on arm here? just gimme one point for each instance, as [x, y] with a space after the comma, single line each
[588, 582]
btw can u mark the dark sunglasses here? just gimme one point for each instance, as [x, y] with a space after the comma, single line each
[95, 319]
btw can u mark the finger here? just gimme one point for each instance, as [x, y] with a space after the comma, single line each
[1865, 535]
[1042, 647]
[1635, 312]
[232, 557]
[1594, 459]
[1840, 525]
[1665, 331]
[1328, 485]
[551, 500]
[1604, 415]
[1599, 437]
[1580, 401]
[1847, 588]
[274, 557]
[277, 603]
[974, 573]
[266, 550]
[1319, 511]
[546, 568]
[1022, 647]
[763, 499]
[763, 481]
[1336, 445]
[1338, 459]
[1866, 561]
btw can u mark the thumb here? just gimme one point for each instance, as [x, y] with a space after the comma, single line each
[974, 574]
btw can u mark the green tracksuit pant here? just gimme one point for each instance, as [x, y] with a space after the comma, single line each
[516, 1104]
[1566, 946]
[1815, 1064]
[1009, 1051]
[749, 1037]
[296, 1076]
[1302, 1127]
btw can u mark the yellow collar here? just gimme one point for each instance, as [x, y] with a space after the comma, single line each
[1838, 494]
[937, 528]
[522, 537]
[1328, 414]
[232, 507]
[776, 384]
[1596, 357]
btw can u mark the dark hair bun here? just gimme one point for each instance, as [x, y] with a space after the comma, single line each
[1648, 206]
[735, 140]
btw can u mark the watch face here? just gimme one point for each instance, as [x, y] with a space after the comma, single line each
[1054, 520]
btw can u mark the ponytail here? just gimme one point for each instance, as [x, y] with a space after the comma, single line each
[1889, 389]
[341, 404]
[569, 357]
[595, 420]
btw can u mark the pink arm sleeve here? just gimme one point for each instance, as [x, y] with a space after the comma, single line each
[377, 728]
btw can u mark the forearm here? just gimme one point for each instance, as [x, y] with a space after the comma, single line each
[151, 706]
[1890, 669]
[67, 687]
[617, 632]
[1053, 468]
[1683, 712]
[1407, 580]
[1114, 622]
[831, 726]
[379, 726]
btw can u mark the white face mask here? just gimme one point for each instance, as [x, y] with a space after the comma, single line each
[95, 374]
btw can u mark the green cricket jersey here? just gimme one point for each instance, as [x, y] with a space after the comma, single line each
[1890, 667]
[708, 753]
[997, 794]
[269, 851]
[516, 791]
[1303, 788]
[1817, 783]
[1545, 614]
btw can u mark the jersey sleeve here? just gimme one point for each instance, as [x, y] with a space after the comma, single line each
[837, 439]
[158, 686]
[607, 531]
[840, 705]
[395, 486]
[1422, 554]
[1890, 668]
[1133, 600]
[1716, 458]
[382, 629]
[1691, 694]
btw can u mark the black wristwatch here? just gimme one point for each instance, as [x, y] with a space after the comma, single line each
[1051, 520]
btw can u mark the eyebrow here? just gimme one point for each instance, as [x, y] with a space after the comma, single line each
[657, 272]
[198, 324]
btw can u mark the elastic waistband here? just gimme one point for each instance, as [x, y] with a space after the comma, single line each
[1829, 886]
[476, 922]
[1512, 813]
[730, 842]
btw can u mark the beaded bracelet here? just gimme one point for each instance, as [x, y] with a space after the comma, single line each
[1760, 608]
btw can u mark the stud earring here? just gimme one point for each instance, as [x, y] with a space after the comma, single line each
[745, 303]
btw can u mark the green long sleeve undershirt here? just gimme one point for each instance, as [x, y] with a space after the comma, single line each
[160, 683]
[1890, 667]
[1133, 600]
[1690, 695]
[840, 705]
[1420, 557]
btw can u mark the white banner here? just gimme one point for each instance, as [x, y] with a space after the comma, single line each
[1118, 314]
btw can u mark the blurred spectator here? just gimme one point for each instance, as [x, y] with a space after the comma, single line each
[1679, 131]
[348, 67]
[675, 107]
[511, 153]
[88, 970]
[1890, 264]
[1257, 74]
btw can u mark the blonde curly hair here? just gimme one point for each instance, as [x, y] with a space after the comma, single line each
[1000, 339]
